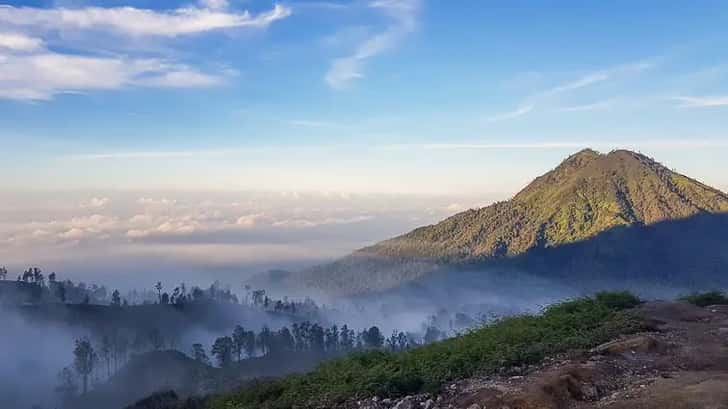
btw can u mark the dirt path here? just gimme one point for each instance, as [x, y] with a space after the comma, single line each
[681, 364]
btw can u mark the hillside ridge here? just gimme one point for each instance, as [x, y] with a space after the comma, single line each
[587, 194]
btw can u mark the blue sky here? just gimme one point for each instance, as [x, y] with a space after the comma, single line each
[395, 96]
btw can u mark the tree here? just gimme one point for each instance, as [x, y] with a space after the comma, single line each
[84, 360]
[159, 287]
[433, 334]
[156, 339]
[106, 351]
[121, 346]
[284, 340]
[116, 299]
[199, 354]
[222, 349]
[347, 338]
[332, 338]
[316, 338]
[265, 338]
[66, 384]
[373, 338]
[238, 341]
[3, 273]
[249, 344]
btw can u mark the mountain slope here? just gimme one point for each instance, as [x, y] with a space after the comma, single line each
[586, 195]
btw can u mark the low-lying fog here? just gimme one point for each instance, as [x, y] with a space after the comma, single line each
[131, 241]
[134, 239]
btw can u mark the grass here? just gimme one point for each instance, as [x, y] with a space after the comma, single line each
[706, 299]
[515, 341]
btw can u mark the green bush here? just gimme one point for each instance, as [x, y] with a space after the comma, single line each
[618, 300]
[706, 299]
[514, 341]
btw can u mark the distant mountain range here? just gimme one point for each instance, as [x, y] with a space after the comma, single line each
[616, 215]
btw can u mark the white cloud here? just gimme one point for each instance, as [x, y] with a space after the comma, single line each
[167, 154]
[96, 202]
[214, 4]
[42, 75]
[313, 124]
[404, 16]
[19, 42]
[595, 106]
[519, 111]
[548, 96]
[32, 67]
[582, 82]
[138, 22]
[702, 101]
[149, 201]
[250, 220]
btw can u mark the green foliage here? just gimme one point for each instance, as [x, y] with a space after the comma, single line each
[618, 300]
[585, 196]
[514, 341]
[706, 299]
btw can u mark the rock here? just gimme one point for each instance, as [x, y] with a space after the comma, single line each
[405, 403]
[428, 404]
[640, 343]
[589, 392]
[474, 406]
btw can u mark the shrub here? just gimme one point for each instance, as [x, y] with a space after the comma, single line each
[618, 300]
[514, 341]
[706, 299]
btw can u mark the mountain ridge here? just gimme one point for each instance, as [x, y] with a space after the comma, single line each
[587, 194]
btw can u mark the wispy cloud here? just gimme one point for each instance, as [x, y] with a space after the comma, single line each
[166, 154]
[519, 111]
[43, 74]
[668, 144]
[702, 101]
[403, 14]
[547, 96]
[313, 123]
[595, 106]
[139, 22]
[581, 82]
[19, 42]
[31, 69]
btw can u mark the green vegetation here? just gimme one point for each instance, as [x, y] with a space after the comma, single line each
[618, 300]
[586, 195]
[706, 299]
[515, 341]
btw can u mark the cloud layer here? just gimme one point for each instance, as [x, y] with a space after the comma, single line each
[33, 68]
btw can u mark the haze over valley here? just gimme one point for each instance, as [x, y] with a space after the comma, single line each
[363, 204]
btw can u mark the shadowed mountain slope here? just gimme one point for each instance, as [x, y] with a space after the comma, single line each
[587, 195]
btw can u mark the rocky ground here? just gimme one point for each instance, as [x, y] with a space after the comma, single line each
[682, 363]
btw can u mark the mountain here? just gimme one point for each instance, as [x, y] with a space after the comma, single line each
[579, 202]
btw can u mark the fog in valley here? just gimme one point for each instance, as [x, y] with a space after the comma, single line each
[194, 295]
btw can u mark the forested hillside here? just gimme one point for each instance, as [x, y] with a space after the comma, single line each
[587, 195]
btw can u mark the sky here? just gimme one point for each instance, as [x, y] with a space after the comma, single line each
[384, 114]
[379, 96]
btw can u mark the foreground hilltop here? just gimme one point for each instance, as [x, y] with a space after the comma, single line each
[608, 351]
[587, 195]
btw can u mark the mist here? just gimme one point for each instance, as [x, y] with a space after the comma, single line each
[33, 353]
